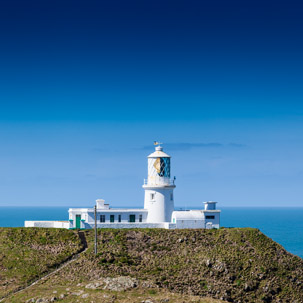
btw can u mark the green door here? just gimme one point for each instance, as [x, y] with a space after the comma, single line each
[78, 221]
[132, 218]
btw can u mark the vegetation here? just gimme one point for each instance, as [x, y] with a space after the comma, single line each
[235, 265]
[73, 294]
[29, 253]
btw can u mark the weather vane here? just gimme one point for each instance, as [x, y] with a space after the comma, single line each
[157, 143]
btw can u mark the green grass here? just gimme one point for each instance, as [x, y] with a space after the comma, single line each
[225, 260]
[28, 253]
[136, 295]
[239, 264]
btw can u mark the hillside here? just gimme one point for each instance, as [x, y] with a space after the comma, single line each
[29, 253]
[235, 265]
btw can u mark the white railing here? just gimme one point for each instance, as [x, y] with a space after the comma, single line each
[159, 181]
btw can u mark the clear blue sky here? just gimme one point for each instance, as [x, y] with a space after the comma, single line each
[87, 86]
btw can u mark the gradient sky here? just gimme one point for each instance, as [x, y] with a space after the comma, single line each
[87, 86]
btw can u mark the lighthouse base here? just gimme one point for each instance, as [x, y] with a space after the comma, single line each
[159, 202]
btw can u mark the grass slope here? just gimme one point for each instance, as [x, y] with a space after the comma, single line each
[239, 265]
[28, 253]
[235, 265]
[79, 294]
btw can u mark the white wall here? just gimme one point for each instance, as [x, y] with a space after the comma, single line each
[190, 224]
[216, 221]
[160, 209]
[124, 216]
[47, 224]
[133, 225]
[89, 216]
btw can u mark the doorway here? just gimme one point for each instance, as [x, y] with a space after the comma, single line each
[78, 221]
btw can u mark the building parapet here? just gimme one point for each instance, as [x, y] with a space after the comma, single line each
[48, 224]
[101, 210]
[165, 225]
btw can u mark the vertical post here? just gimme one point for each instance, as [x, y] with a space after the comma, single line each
[95, 229]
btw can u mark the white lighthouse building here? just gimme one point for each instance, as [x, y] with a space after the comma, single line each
[158, 212]
[159, 188]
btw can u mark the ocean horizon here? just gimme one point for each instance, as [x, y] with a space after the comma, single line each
[282, 224]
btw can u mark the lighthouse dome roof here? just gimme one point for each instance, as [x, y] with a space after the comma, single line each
[158, 153]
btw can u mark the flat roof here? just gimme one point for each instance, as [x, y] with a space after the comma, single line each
[108, 209]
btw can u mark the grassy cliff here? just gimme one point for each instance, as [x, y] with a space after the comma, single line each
[29, 253]
[235, 265]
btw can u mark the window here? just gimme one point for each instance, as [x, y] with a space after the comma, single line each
[152, 196]
[112, 218]
[102, 218]
[171, 196]
[162, 167]
[209, 217]
[132, 218]
[140, 218]
[119, 218]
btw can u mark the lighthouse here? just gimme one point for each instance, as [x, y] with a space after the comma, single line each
[158, 187]
[158, 211]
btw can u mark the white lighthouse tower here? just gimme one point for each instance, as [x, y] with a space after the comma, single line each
[159, 197]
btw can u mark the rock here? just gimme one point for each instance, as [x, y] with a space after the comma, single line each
[180, 240]
[164, 300]
[147, 284]
[85, 296]
[78, 293]
[61, 296]
[53, 299]
[40, 300]
[54, 292]
[220, 266]
[93, 285]
[208, 263]
[147, 301]
[120, 283]
[32, 300]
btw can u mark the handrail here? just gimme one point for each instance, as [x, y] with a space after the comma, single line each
[159, 181]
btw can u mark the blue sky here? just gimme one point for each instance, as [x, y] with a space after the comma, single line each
[86, 87]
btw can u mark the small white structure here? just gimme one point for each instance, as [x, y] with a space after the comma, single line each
[207, 218]
[158, 187]
[158, 211]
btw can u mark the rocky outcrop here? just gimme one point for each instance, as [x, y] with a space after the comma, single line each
[234, 265]
[116, 284]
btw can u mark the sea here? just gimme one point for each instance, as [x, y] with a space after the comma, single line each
[284, 225]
